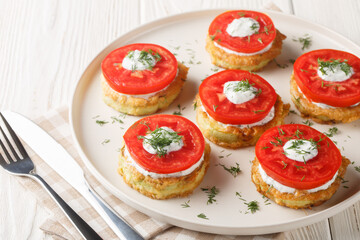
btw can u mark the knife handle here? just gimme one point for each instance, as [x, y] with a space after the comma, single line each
[125, 228]
[84, 229]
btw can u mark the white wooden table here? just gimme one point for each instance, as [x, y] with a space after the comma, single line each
[46, 44]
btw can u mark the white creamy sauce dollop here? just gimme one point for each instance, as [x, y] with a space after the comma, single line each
[163, 133]
[334, 74]
[323, 105]
[138, 60]
[161, 175]
[263, 121]
[241, 53]
[300, 150]
[243, 27]
[239, 92]
[285, 189]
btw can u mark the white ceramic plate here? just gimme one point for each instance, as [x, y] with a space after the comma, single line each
[184, 34]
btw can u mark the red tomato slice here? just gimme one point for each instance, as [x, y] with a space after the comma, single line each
[254, 43]
[314, 173]
[337, 94]
[221, 109]
[139, 82]
[176, 161]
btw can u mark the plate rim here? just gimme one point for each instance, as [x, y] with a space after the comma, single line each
[264, 229]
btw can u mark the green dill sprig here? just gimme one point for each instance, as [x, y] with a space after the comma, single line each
[280, 65]
[258, 111]
[203, 216]
[253, 206]
[332, 132]
[357, 168]
[332, 64]
[161, 138]
[211, 192]
[105, 141]
[239, 196]
[195, 105]
[308, 122]
[101, 122]
[233, 170]
[185, 204]
[305, 41]
[180, 109]
[116, 119]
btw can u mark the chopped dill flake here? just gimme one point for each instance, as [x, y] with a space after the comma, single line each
[332, 131]
[298, 133]
[96, 116]
[305, 41]
[332, 65]
[241, 14]
[302, 178]
[105, 141]
[258, 111]
[195, 105]
[260, 41]
[212, 37]
[303, 70]
[281, 132]
[308, 122]
[203, 216]
[211, 192]
[233, 170]
[116, 119]
[292, 61]
[293, 112]
[298, 167]
[101, 122]
[357, 168]
[215, 107]
[285, 164]
[253, 206]
[266, 29]
[185, 204]
[239, 196]
[265, 147]
[214, 69]
[280, 65]
[179, 111]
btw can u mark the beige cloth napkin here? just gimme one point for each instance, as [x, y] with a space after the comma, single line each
[56, 124]
[59, 227]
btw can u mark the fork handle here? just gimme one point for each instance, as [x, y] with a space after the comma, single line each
[84, 229]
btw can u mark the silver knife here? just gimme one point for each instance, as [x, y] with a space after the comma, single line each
[61, 161]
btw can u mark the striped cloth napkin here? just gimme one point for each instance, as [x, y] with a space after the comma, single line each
[58, 226]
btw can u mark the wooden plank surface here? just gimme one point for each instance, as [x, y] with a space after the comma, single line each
[46, 44]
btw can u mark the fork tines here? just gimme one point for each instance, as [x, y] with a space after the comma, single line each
[11, 155]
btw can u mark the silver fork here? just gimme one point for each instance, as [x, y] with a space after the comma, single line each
[24, 166]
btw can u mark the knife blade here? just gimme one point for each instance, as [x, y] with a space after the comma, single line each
[62, 162]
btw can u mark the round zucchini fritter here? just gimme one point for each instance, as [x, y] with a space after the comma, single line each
[140, 106]
[234, 137]
[162, 188]
[253, 63]
[318, 114]
[300, 198]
